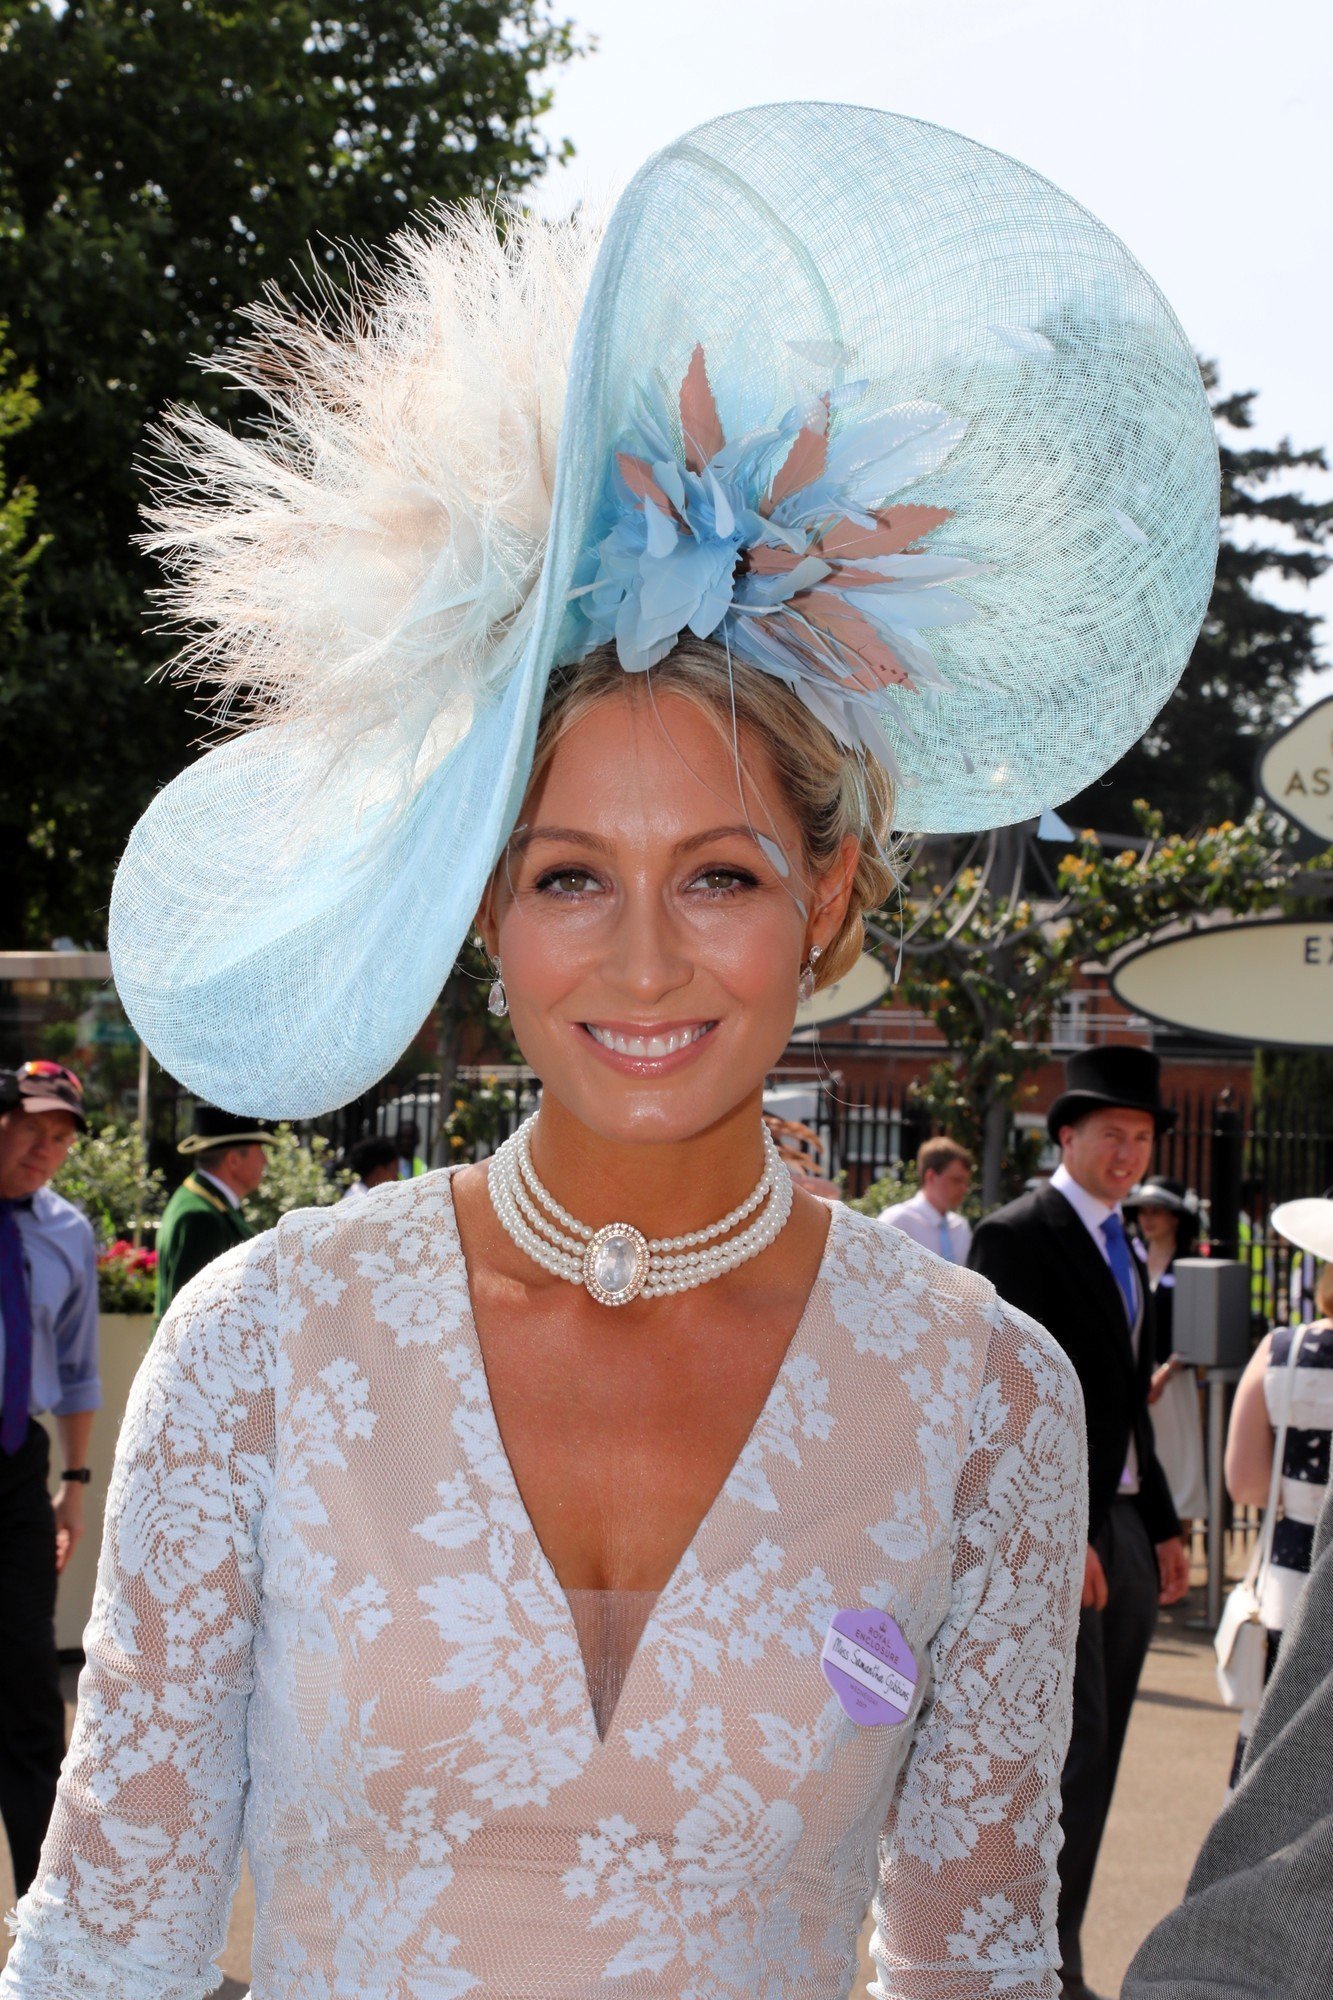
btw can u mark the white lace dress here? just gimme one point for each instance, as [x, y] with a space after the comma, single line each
[325, 1631]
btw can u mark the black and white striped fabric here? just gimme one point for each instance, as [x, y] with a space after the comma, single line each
[1305, 1460]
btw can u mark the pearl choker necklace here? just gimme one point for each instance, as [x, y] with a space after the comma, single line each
[618, 1263]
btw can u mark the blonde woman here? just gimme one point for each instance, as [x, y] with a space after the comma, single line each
[609, 1568]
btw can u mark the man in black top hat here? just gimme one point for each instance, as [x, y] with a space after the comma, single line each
[1061, 1254]
[203, 1217]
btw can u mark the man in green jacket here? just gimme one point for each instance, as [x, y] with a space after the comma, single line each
[203, 1217]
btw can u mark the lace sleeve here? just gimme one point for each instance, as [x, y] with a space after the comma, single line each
[966, 1901]
[141, 1859]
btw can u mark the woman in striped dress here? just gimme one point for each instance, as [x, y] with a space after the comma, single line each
[1257, 1417]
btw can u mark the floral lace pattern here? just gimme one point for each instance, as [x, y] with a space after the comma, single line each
[325, 1629]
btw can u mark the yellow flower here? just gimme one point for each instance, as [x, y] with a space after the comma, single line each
[456, 1142]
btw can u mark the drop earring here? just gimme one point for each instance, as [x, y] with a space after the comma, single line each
[805, 985]
[497, 1000]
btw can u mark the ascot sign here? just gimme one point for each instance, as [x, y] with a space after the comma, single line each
[1295, 770]
[1268, 981]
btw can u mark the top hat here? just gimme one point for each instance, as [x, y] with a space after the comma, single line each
[214, 1129]
[1111, 1078]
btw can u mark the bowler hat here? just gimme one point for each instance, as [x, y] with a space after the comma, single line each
[214, 1128]
[1113, 1078]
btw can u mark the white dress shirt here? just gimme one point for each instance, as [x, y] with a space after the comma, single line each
[1092, 1213]
[922, 1221]
[229, 1195]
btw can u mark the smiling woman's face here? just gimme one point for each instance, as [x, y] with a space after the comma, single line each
[650, 947]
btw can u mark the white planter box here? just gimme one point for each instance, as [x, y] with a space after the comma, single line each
[123, 1341]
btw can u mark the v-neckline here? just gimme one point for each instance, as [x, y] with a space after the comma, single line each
[798, 1343]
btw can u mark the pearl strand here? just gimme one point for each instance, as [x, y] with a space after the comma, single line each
[657, 1243]
[559, 1243]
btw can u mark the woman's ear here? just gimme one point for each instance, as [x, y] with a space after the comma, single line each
[833, 892]
[488, 928]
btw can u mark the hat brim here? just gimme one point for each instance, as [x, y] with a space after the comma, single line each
[197, 1143]
[279, 966]
[279, 929]
[53, 1104]
[1159, 1198]
[1308, 1224]
[1072, 1104]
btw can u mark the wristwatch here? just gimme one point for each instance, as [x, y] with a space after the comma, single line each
[76, 1475]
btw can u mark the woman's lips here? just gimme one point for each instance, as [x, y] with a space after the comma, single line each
[647, 1050]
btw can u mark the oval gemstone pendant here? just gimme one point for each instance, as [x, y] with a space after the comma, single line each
[615, 1264]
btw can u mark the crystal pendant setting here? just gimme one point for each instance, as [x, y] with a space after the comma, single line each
[615, 1264]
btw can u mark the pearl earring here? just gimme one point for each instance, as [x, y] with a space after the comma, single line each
[497, 1000]
[805, 985]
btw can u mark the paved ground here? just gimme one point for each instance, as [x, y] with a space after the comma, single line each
[1171, 1784]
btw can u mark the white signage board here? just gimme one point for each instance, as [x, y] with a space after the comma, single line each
[1269, 981]
[1295, 770]
[861, 987]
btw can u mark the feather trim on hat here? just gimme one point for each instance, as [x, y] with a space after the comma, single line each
[362, 563]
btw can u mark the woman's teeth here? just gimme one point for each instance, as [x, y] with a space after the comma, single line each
[648, 1045]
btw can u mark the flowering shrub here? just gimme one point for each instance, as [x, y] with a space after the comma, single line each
[107, 1176]
[298, 1174]
[478, 1119]
[126, 1278]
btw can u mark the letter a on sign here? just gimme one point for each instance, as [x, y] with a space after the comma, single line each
[1293, 770]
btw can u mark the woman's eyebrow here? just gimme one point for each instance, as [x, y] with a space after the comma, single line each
[580, 837]
[565, 835]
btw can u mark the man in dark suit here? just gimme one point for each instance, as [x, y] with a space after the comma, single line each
[1060, 1253]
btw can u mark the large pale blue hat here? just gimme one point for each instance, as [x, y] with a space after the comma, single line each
[879, 410]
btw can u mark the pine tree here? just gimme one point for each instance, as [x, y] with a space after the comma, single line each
[1196, 763]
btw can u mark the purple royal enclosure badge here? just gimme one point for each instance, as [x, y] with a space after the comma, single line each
[869, 1665]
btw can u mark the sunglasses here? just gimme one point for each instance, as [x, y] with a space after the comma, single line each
[52, 1072]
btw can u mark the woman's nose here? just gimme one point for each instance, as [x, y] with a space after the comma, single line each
[648, 955]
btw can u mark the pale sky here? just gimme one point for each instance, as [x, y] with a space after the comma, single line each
[1197, 129]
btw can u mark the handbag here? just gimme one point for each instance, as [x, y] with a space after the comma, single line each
[1241, 1643]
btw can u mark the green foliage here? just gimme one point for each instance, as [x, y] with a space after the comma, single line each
[895, 1186]
[299, 1174]
[158, 165]
[1196, 761]
[107, 1176]
[18, 552]
[990, 967]
[477, 1119]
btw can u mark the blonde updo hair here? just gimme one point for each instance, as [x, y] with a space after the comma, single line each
[830, 791]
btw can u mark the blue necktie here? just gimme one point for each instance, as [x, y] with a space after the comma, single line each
[1122, 1263]
[946, 1240]
[16, 1394]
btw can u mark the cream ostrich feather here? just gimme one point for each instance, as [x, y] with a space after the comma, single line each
[363, 559]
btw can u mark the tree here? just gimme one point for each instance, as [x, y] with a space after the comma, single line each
[18, 551]
[158, 164]
[990, 964]
[1196, 761]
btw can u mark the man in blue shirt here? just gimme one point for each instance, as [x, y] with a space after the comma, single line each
[48, 1361]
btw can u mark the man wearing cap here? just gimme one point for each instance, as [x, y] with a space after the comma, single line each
[1060, 1253]
[203, 1218]
[48, 1332]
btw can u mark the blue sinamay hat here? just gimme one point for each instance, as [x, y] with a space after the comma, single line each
[879, 409]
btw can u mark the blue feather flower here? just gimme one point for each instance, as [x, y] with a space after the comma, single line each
[783, 544]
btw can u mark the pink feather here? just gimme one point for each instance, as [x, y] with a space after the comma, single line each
[699, 420]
